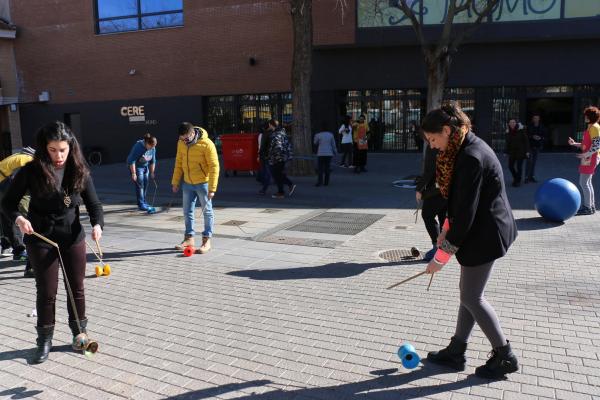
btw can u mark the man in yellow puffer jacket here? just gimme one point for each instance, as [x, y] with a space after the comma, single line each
[11, 234]
[197, 165]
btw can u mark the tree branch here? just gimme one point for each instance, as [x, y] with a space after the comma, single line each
[491, 4]
[453, 10]
[342, 5]
[415, 22]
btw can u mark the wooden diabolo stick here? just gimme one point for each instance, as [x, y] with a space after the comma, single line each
[94, 251]
[407, 279]
[430, 280]
[45, 239]
[99, 248]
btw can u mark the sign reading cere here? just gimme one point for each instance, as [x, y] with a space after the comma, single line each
[137, 115]
[382, 13]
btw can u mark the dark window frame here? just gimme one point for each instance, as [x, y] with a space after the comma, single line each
[139, 16]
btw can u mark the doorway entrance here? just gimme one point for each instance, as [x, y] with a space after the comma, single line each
[556, 115]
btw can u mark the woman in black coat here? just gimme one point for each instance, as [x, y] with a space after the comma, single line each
[59, 182]
[479, 229]
[517, 148]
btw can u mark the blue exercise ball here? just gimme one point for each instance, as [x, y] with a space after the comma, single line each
[557, 199]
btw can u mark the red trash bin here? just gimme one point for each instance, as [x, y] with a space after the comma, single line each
[240, 151]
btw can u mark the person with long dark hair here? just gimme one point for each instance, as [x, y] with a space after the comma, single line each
[59, 181]
[479, 229]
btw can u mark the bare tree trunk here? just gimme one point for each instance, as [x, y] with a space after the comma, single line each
[437, 76]
[301, 11]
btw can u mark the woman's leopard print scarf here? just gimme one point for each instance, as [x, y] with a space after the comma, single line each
[444, 166]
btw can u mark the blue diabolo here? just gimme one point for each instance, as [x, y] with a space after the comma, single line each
[408, 355]
[557, 200]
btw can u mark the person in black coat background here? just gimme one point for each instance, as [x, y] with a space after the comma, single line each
[434, 204]
[479, 229]
[59, 182]
[538, 134]
[517, 148]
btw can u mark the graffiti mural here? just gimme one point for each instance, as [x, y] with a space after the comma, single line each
[382, 13]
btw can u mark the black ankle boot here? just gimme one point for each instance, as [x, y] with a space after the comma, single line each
[452, 356]
[44, 343]
[75, 331]
[503, 361]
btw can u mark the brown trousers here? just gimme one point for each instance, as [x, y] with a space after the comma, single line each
[45, 265]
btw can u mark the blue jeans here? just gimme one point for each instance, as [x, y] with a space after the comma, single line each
[191, 193]
[141, 187]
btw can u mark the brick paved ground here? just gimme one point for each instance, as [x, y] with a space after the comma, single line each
[260, 320]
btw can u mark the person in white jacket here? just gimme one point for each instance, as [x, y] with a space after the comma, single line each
[347, 148]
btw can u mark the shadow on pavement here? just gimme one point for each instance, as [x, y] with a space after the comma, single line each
[379, 388]
[332, 270]
[219, 390]
[119, 255]
[27, 354]
[20, 393]
[536, 223]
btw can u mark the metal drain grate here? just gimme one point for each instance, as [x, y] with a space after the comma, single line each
[396, 255]
[233, 222]
[270, 211]
[337, 223]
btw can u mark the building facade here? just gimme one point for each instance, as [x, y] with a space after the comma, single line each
[115, 69]
[10, 132]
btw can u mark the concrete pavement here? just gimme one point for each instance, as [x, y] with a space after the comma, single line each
[291, 303]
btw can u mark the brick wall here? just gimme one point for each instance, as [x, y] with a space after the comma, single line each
[57, 50]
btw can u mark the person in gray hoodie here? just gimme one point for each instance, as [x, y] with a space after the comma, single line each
[325, 152]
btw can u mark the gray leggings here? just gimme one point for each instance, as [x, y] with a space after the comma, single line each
[475, 308]
[585, 181]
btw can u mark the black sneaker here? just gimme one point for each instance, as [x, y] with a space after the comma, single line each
[29, 273]
[584, 211]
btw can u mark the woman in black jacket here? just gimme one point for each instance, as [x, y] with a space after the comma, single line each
[59, 181]
[479, 229]
[517, 148]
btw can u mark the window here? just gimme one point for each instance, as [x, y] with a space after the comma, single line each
[134, 15]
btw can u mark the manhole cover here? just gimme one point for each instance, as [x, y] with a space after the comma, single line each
[399, 255]
[233, 222]
[337, 223]
[270, 211]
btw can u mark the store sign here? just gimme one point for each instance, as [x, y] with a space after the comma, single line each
[378, 13]
[137, 115]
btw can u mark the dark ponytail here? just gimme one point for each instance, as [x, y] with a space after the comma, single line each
[149, 139]
[448, 115]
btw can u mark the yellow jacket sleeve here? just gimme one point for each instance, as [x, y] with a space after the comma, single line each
[12, 163]
[212, 160]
